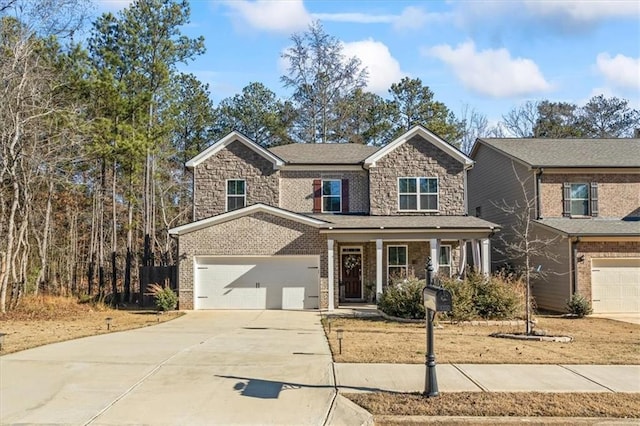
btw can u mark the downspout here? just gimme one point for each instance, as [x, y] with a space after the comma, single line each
[538, 198]
[574, 263]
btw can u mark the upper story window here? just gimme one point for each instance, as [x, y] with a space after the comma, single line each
[418, 193]
[580, 199]
[236, 194]
[331, 196]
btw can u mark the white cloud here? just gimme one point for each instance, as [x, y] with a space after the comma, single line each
[276, 16]
[382, 67]
[619, 71]
[113, 5]
[584, 11]
[491, 72]
[410, 18]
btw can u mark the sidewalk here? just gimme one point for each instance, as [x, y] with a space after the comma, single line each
[489, 378]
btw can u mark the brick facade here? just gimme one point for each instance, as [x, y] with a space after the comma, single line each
[236, 161]
[259, 234]
[618, 194]
[416, 158]
[601, 250]
[296, 189]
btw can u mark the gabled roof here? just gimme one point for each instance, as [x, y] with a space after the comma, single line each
[227, 140]
[574, 153]
[428, 136]
[324, 153]
[235, 214]
[592, 227]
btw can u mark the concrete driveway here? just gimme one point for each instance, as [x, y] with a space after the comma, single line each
[223, 367]
[631, 318]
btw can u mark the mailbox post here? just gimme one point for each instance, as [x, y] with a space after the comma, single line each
[436, 299]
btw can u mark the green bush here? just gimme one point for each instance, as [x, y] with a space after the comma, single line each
[166, 299]
[579, 306]
[498, 296]
[403, 299]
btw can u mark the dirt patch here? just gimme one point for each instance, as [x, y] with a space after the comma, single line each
[40, 321]
[471, 404]
[595, 341]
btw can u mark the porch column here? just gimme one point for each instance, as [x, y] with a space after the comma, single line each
[434, 250]
[331, 284]
[378, 268]
[463, 257]
[486, 264]
[475, 251]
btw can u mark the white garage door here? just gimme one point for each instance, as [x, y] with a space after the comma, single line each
[615, 285]
[270, 282]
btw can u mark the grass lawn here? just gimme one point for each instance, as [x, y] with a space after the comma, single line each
[42, 320]
[595, 341]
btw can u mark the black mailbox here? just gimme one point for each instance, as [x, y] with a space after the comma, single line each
[437, 299]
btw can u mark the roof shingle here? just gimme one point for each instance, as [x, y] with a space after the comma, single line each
[323, 153]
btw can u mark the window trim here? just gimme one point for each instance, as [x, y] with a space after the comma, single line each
[322, 196]
[418, 193]
[227, 195]
[588, 199]
[405, 266]
[449, 265]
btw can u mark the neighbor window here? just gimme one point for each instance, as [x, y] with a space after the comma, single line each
[418, 194]
[236, 194]
[331, 192]
[579, 199]
[396, 262]
[444, 261]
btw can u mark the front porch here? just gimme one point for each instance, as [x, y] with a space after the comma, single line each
[362, 260]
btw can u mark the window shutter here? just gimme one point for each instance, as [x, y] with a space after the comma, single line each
[566, 199]
[345, 195]
[317, 195]
[593, 199]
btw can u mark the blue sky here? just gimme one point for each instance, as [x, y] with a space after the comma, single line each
[486, 55]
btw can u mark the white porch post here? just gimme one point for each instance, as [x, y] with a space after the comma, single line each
[378, 268]
[475, 251]
[330, 274]
[486, 264]
[434, 250]
[463, 257]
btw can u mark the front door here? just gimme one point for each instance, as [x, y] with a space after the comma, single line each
[352, 274]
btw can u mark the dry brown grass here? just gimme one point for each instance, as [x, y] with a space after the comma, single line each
[482, 404]
[47, 319]
[596, 341]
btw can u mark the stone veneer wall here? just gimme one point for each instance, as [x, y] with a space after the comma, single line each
[416, 158]
[236, 161]
[618, 194]
[600, 250]
[259, 234]
[296, 189]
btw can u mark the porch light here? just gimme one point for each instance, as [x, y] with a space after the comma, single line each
[2, 340]
[339, 334]
[108, 321]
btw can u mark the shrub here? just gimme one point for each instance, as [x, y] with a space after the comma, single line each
[166, 299]
[403, 299]
[579, 306]
[462, 293]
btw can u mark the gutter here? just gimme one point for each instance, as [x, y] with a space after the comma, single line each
[574, 263]
[538, 198]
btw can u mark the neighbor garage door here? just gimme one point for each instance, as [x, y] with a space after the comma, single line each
[269, 282]
[615, 285]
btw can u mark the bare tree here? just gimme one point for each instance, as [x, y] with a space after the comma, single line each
[519, 242]
[475, 125]
[521, 121]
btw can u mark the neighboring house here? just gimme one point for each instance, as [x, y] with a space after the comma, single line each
[313, 225]
[586, 204]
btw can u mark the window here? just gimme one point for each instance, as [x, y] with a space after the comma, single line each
[418, 194]
[580, 199]
[444, 261]
[236, 194]
[396, 262]
[331, 190]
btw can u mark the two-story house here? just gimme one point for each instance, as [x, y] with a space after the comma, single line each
[585, 203]
[310, 225]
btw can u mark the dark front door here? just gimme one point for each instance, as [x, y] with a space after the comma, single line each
[351, 275]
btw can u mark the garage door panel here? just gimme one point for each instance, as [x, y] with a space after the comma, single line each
[615, 285]
[275, 282]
